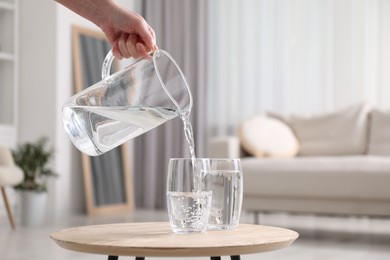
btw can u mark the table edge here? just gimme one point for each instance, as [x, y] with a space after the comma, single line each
[179, 252]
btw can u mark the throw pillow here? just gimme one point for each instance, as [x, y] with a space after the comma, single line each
[267, 137]
[379, 140]
[343, 132]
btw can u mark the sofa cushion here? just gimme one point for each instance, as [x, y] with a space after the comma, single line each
[358, 177]
[267, 137]
[339, 133]
[379, 140]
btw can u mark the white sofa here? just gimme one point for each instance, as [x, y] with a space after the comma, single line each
[341, 164]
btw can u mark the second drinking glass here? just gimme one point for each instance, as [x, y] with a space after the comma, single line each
[224, 179]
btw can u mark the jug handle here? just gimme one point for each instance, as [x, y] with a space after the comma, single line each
[106, 67]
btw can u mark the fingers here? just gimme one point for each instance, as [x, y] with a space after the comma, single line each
[151, 31]
[124, 49]
[131, 45]
[141, 49]
[116, 51]
[147, 35]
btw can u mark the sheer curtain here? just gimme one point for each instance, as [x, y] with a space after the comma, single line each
[295, 56]
[180, 27]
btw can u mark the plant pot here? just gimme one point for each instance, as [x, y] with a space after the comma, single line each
[33, 208]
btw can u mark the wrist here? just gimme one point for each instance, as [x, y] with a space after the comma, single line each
[102, 11]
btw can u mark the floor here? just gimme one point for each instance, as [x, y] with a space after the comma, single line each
[321, 237]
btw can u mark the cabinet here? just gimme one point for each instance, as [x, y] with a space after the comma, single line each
[8, 71]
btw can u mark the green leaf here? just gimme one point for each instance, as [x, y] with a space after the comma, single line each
[33, 159]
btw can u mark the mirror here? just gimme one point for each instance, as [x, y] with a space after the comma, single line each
[107, 178]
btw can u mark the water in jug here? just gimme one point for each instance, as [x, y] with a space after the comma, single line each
[128, 103]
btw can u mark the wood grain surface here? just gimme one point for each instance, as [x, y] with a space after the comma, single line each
[157, 239]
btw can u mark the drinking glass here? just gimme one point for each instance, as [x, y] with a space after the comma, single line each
[188, 203]
[224, 179]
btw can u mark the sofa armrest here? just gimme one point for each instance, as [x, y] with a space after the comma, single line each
[224, 147]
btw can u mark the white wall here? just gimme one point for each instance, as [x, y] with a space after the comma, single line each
[37, 74]
[46, 82]
[68, 189]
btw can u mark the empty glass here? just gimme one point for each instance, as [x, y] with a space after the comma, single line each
[224, 179]
[127, 103]
[188, 203]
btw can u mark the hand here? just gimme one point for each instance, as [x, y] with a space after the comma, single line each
[128, 33]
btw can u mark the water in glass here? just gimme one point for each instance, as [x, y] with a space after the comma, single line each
[189, 211]
[226, 186]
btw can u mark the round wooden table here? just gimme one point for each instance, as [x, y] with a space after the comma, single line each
[157, 239]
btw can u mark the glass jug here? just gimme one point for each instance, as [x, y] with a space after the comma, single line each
[126, 104]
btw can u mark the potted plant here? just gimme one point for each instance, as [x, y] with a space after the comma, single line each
[33, 159]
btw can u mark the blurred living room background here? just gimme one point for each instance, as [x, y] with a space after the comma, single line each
[242, 59]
